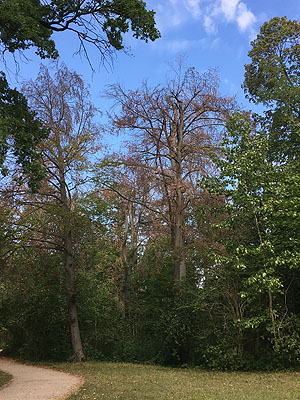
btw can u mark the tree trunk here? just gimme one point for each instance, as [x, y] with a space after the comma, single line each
[180, 265]
[69, 267]
[178, 209]
[125, 265]
[129, 254]
[71, 297]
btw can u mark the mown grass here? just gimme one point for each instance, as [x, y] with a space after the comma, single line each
[4, 378]
[142, 382]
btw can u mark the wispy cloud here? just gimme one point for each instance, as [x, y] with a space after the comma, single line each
[228, 8]
[211, 13]
[245, 18]
[176, 46]
[209, 25]
[170, 14]
[193, 6]
[235, 11]
[182, 45]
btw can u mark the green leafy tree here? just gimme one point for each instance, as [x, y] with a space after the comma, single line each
[257, 232]
[34, 321]
[273, 79]
[259, 177]
[20, 133]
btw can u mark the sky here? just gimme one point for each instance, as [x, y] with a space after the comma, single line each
[208, 33]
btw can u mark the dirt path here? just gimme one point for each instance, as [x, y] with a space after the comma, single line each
[35, 383]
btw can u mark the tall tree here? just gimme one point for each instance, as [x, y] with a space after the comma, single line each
[272, 78]
[175, 127]
[259, 176]
[249, 183]
[61, 102]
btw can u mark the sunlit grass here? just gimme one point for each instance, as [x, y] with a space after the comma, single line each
[137, 382]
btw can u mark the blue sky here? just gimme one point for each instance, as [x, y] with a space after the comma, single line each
[210, 33]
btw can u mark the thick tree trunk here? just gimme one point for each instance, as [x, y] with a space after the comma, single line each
[180, 264]
[71, 297]
[178, 209]
[69, 267]
[125, 265]
[129, 255]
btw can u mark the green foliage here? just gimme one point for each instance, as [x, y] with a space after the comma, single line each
[30, 23]
[33, 307]
[33, 302]
[238, 307]
[272, 78]
[259, 251]
[21, 27]
[99, 314]
[4, 378]
[20, 133]
[118, 13]
[223, 357]
[150, 297]
[273, 74]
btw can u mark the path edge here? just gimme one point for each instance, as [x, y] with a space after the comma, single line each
[65, 397]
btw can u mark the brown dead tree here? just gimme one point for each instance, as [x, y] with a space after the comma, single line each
[175, 128]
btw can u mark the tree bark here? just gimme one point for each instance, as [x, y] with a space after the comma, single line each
[71, 297]
[129, 253]
[69, 266]
[178, 209]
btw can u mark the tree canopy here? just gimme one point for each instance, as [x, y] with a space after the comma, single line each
[273, 77]
[31, 23]
[20, 133]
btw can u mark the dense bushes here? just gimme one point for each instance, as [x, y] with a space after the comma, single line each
[190, 323]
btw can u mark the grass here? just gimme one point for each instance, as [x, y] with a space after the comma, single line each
[4, 378]
[142, 382]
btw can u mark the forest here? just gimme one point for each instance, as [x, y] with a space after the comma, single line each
[182, 250]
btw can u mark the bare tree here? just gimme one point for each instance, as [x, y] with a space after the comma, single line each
[175, 129]
[63, 106]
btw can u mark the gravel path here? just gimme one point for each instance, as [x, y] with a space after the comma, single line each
[35, 383]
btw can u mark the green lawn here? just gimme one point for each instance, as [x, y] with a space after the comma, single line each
[4, 378]
[138, 382]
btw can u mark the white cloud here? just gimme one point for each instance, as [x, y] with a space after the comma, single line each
[168, 15]
[209, 25]
[182, 45]
[245, 18]
[228, 8]
[211, 13]
[176, 46]
[235, 11]
[193, 6]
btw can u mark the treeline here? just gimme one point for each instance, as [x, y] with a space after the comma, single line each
[182, 250]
